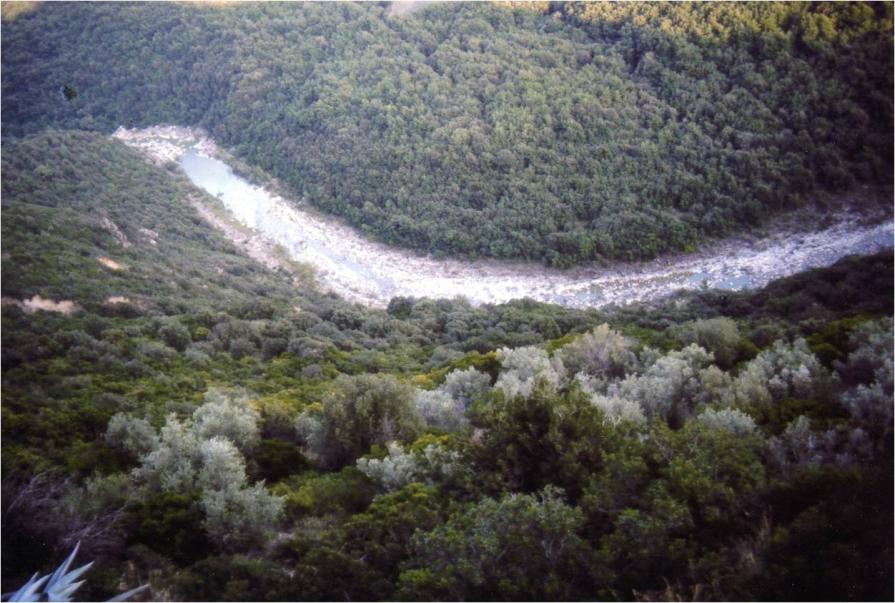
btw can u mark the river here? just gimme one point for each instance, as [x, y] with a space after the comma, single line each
[368, 272]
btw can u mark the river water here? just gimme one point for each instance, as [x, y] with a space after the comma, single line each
[371, 273]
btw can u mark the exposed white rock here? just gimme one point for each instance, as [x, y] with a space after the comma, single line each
[116, 232]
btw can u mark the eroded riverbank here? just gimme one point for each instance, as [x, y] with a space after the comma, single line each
[364, 271]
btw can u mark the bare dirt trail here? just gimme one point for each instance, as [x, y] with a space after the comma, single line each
[371, 273]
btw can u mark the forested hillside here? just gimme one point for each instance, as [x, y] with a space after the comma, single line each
[561, 132]
[224, 432]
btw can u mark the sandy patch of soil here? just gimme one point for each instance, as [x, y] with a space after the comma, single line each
[65, 306]
[118, 299]
[9, 10]
[110, 263]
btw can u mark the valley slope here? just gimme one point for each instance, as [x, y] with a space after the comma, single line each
[563, 133]
[142, 419]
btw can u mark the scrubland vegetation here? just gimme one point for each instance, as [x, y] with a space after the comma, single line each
[222, 431]
[228, 435]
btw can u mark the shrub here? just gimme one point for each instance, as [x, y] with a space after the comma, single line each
[238, 518]
[438, 409]
[175, 335]
[522, 368]
[616, 410]
[670, 387]
[464, 386]
[134, 435]
[732, 420]
[518, 547]
[720, 336]
[362, 411]
[399, 468]
[603, 352]
[229, 415]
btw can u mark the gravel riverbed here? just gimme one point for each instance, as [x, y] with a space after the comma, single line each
[371, 273]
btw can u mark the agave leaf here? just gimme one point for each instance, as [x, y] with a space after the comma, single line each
[63, 594]
[30, 591]
[62, 584]
[127, 595]
[60, 571]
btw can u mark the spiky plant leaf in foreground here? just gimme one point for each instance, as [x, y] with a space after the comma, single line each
[60, 585]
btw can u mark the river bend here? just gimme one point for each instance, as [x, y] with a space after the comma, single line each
[361, 270]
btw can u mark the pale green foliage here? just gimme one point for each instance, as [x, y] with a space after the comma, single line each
[197, 357]
[871, 404]
[717, 335]
[465, 386]
[670, 387]
[590, 384]
[648, 356]
[438, 408]
[522, 368]
[221, 465]
[130, 433]
[227, 415]
[200, 455]
[172, 465]
[445, 407]
[734, 421]
[438, 463]
[394, 471]
[616, 410]
[872, 350]
[311, 432]
[784, 371]
[799, 445]
[400, 467]
[239, 517]
[716, 386]
[602, 352]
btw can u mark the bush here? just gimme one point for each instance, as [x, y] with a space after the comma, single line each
[276, 459]
[520, 547]
[522, 368]
[229, 415]
[362, 411]
[239, 518]
[720, 336]
[601, 353]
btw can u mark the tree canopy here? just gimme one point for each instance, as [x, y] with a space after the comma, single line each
[564, 132]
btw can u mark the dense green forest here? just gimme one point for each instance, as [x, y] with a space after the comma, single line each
[224, 432]
[560, 132]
